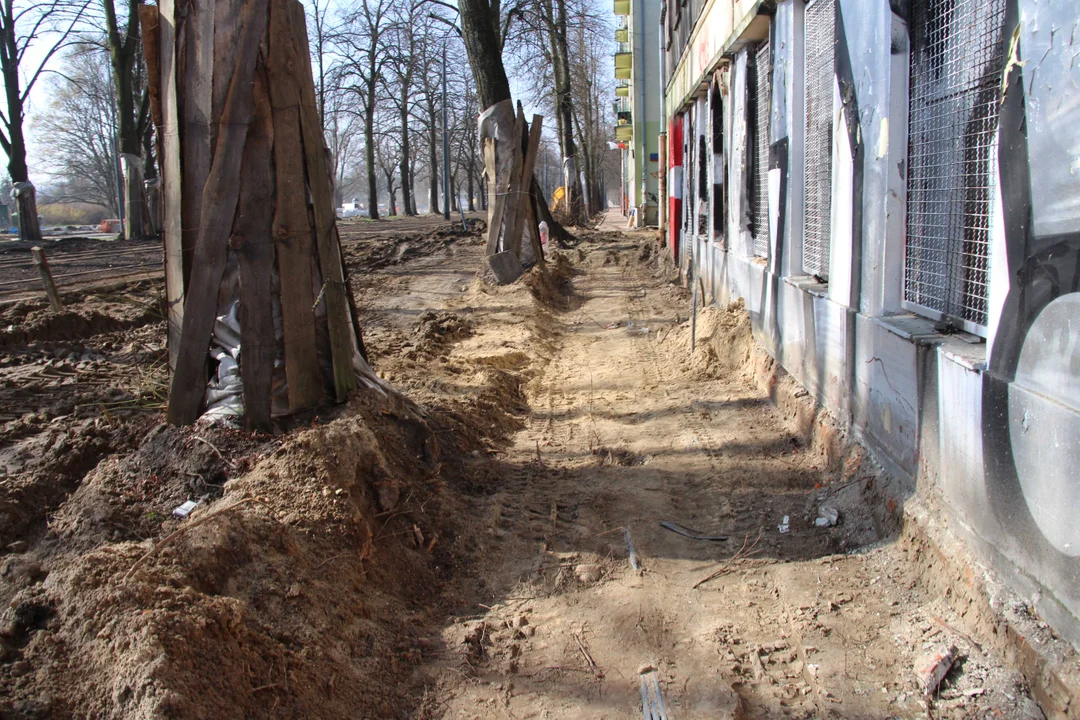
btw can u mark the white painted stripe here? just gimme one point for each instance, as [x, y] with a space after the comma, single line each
[675, 182]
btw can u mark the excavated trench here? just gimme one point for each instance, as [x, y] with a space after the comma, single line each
[464, 550]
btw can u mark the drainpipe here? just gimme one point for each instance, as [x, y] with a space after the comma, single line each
[641, 154]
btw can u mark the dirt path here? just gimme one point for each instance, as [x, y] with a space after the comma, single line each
[626, 430]
[462, 553]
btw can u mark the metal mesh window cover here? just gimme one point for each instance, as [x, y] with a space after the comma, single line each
[820, 76]
[762, 69]
[956, 66]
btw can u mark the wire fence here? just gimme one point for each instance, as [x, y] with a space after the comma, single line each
[956, 63]
[820, 74]
[763, 68]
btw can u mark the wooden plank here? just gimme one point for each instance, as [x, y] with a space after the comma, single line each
[534, 228]
[506, 267]
[169, 162]
[291, 228]
[527, 168]
[322, 198]
[46, 278]
[226, 26]
[219, 204]
[254, 245]
[495, 224]
[198, 73]
[149, 24]
[515, 216]
[489, 173]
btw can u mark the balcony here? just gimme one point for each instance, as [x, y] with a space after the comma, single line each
[624, 117]
[622, 91]
[624, 132]
[622, 7]
[622, 35]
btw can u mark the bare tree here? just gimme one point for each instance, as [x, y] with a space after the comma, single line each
[363, 42]
[481, 30]
[79, 126]
[132, 109]
[388, 157]
[405, 39]
[49, 27]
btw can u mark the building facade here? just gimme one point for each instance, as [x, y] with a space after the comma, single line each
[639, 97]
[893, 188]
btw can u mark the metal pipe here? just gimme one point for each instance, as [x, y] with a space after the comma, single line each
[445, 143]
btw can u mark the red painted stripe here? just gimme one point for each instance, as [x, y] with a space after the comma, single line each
[675, 161]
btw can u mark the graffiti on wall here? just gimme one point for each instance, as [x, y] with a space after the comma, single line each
[1031, 390]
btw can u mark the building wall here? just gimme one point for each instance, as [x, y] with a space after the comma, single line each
[642, 157]
[989, 419]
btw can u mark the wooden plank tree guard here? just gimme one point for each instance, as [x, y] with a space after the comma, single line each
[510, 201]
[245, 175]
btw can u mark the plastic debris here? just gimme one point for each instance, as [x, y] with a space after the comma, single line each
[652, 700]
[630, 548]
[785, 525]
[827, 516]
[182, 511]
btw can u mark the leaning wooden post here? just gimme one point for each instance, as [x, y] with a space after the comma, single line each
[46, 278]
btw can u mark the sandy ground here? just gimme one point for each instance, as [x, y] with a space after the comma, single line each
[463, 551]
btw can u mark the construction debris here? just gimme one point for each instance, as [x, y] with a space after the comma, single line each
[827, 517]
[933, 669]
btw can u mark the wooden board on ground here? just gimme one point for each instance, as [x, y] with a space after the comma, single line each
[506, 266]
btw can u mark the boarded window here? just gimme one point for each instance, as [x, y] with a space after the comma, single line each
[956, 66]
[820, 78]
[762, 69]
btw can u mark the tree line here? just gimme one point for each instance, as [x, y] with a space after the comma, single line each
[379, 67]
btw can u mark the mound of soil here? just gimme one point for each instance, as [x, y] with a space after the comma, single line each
[723, 343]
[293, 594]
[34, 323]
[552, 285]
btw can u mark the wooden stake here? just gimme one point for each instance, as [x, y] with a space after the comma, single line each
[169, 134]
[46, 278]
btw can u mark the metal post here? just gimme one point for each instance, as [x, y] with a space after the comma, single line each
[119, 185]
[445, 143]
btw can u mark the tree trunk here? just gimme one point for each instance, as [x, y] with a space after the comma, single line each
[406, 152]
[29, 228]
[26, 203]
[433, 159]
[564, 107]
[369, 156]
[479, 30]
